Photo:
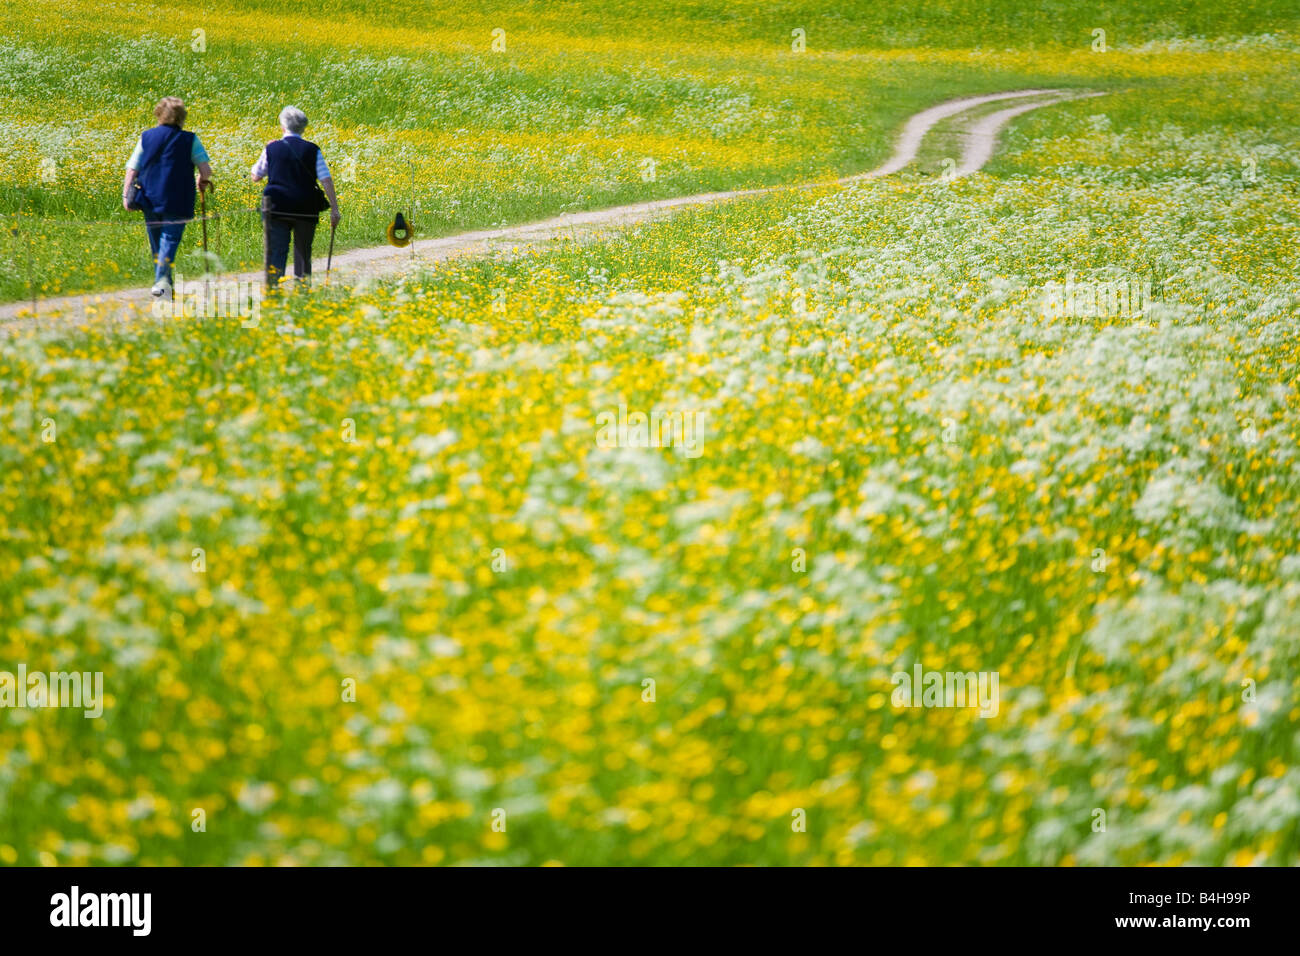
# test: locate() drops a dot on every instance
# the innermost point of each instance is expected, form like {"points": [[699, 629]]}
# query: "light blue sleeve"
{"points": [[197, 153], [134, 161], [322, 170]]}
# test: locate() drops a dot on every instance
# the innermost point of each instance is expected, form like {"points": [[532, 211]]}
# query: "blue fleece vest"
{"points": [[291, 176], [166, 173]]}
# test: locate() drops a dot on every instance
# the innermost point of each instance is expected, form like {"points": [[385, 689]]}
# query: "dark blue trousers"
{"points": [[278, 231]]}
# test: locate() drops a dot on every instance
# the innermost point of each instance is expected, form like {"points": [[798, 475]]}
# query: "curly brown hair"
{"points": [[170, 111]]}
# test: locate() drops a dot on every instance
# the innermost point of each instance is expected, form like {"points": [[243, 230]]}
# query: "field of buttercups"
{"points": [[466, 115], [367, 586]]}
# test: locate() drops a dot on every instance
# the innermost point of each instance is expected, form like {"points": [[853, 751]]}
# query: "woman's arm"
{"points": [[205, 176], [127, 188], [327, 184], [259, 168]]}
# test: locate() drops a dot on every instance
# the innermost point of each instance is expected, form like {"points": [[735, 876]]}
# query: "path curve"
{"points": [[978, 141]]}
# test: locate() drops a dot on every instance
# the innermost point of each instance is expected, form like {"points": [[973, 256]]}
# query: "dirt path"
{"points": [[977, 137]]}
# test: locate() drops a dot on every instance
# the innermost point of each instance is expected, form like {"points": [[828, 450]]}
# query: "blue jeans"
{"points": [[164, 239]]}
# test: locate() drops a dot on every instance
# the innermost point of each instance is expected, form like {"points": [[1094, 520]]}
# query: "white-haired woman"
{"points": [[291, 205]]}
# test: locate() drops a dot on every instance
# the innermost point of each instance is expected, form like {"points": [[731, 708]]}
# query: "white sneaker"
{"points": [[161, 288]]}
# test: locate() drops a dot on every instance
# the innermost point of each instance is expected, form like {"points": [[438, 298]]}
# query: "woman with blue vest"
{"points": [[160, 181], [291, 203]]}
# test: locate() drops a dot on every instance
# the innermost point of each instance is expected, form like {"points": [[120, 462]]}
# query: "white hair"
{"points": [[293, 119]]}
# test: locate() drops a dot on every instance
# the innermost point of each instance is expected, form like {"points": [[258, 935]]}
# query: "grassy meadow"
{"points": [[366, 588], [418, 113]]}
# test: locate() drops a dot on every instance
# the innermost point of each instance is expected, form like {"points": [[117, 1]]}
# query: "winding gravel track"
{"points": [[977, 137]]}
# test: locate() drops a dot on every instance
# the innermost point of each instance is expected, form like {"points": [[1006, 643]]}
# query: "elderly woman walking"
{"points": [[291, 200], [160, 182]]}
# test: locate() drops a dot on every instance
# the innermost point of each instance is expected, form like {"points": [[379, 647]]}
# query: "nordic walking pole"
{"points": [[31, 279], [203, 210], [330, 261]]}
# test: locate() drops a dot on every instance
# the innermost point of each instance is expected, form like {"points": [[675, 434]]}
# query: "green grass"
{"points": [[459, 137], [885, 394]]}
